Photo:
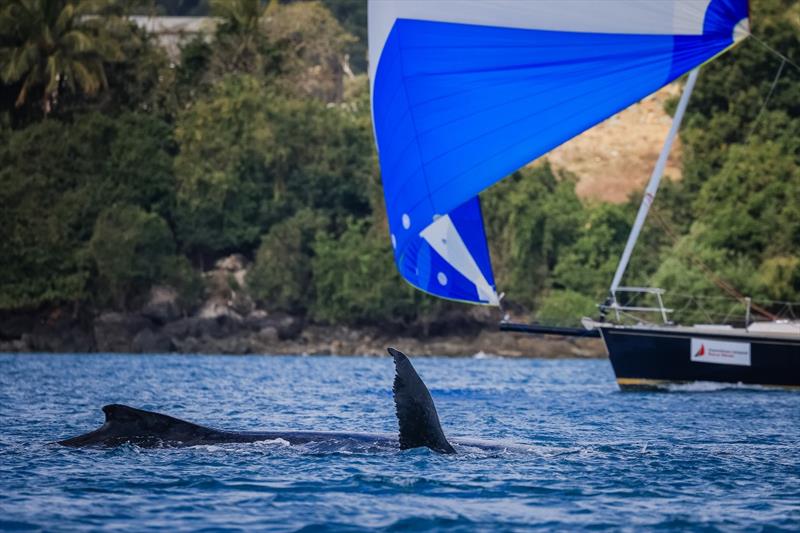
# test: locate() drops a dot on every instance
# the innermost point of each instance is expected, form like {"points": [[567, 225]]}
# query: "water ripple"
{"points": [[574, 452]]}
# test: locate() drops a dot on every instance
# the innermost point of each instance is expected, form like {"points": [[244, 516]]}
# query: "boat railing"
{"points": [[613, 303]]}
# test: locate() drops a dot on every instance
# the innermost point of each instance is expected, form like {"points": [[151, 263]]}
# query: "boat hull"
{"points": [[654, 358]]}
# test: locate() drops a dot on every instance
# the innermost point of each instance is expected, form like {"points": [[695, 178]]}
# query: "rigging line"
{"points": [[766, 100], [722, 284], [782, 56], [715, 194], [763, 300], [718, 281]]}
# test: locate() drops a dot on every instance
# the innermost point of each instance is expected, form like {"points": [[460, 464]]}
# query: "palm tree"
{"points": [[238, 16], [48, 45], [239, 35]]}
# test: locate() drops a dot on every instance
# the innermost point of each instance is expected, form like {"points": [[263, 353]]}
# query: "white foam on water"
{"points": [[209, 448], [274, 442], [712, 386]]}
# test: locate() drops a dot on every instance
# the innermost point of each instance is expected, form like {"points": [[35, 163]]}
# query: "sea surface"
{"points": [[701, 458]]}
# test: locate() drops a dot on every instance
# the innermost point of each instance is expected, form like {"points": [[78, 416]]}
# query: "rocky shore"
{"points": [[229, 323], [260, 333]]}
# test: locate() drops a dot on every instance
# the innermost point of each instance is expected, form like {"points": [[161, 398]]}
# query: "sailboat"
{"points": [[465, 92]]}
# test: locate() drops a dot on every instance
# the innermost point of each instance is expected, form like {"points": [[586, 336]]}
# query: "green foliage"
{"points": [[55, 178], [589, 264], [190, 75], [691, 273], [250, 157], [177, 272], [750, 206], [565, 308], [241, 45], [281, 278], [259, 142], [49, 45], [531, 217], [729, 96], [737, 206], [352, 14], [238, 16], [311, 44], [131, 249], [142, 81], [780, 277], [355, 281], [221, 169]]}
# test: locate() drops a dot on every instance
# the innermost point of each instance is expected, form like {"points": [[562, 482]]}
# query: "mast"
{"points": [[652, 186]]}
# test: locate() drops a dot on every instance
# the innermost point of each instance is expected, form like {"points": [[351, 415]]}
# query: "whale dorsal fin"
{"points": [[125, 416], [419, 423], [128, 424]]}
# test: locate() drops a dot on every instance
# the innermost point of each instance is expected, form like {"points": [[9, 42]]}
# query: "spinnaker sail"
{"points": [[464, 92]]}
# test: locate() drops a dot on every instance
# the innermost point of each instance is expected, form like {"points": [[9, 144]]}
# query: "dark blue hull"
{"points": [[652, 358]]}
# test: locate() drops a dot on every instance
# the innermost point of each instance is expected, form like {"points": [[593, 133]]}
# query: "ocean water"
{"points": [[701, 458]]}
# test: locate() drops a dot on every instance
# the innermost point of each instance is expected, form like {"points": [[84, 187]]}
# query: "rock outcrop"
{"points": [[162, 305], [228, 323], [114, 332]]}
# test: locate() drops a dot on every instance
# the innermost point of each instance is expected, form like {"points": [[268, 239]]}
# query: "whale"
{"points": [[418, 425]]}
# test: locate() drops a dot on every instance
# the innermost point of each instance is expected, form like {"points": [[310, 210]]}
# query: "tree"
{"points": [[250, 157], [531, 216], [311, 44], [736, 208], [356, 283], [55, 178], [588, 264], [564, 307], [238, 16], [49, 45], [352, 15], [729, 97], [143, 80], [281, 276], [131, 249], [225, 141], [691, 271], [241, 45]]}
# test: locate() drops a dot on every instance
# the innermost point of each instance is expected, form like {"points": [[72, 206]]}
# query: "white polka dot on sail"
{"points": [[442, 278]]}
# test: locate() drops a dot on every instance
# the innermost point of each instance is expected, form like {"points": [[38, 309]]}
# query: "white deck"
{"points": [[780, 329]]}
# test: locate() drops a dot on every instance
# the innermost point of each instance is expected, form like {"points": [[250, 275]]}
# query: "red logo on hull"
{"points": [[701, 351]]}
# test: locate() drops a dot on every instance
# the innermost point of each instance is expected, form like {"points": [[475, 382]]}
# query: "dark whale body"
{"points": [[416, 414]]}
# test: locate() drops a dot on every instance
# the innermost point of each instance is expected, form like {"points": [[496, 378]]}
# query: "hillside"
{"points": [[616, 157]]}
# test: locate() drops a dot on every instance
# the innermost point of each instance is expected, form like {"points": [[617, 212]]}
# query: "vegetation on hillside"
{"points": [[121, 169]]}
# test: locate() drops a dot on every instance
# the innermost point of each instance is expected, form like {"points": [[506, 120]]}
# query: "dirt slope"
{"points": [[618, 155]]}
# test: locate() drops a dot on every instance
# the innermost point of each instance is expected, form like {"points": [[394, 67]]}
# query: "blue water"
{"points": [[597, 458]]}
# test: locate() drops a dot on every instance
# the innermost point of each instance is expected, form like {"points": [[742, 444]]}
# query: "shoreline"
{"points": [[135, 333]]}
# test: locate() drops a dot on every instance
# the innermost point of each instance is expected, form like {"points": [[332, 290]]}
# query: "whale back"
{"points": [[416, 413], [144, 428]]}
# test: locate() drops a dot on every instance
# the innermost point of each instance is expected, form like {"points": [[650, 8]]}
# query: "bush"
{"points": [[250, 157], [355, 281], [177, 272], [531, 217], [565, 308], [55, 178], [281, 278], [132, 249], [588, 265]]}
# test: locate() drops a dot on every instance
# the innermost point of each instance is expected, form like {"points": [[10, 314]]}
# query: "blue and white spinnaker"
{"points": [[464, 92]]}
